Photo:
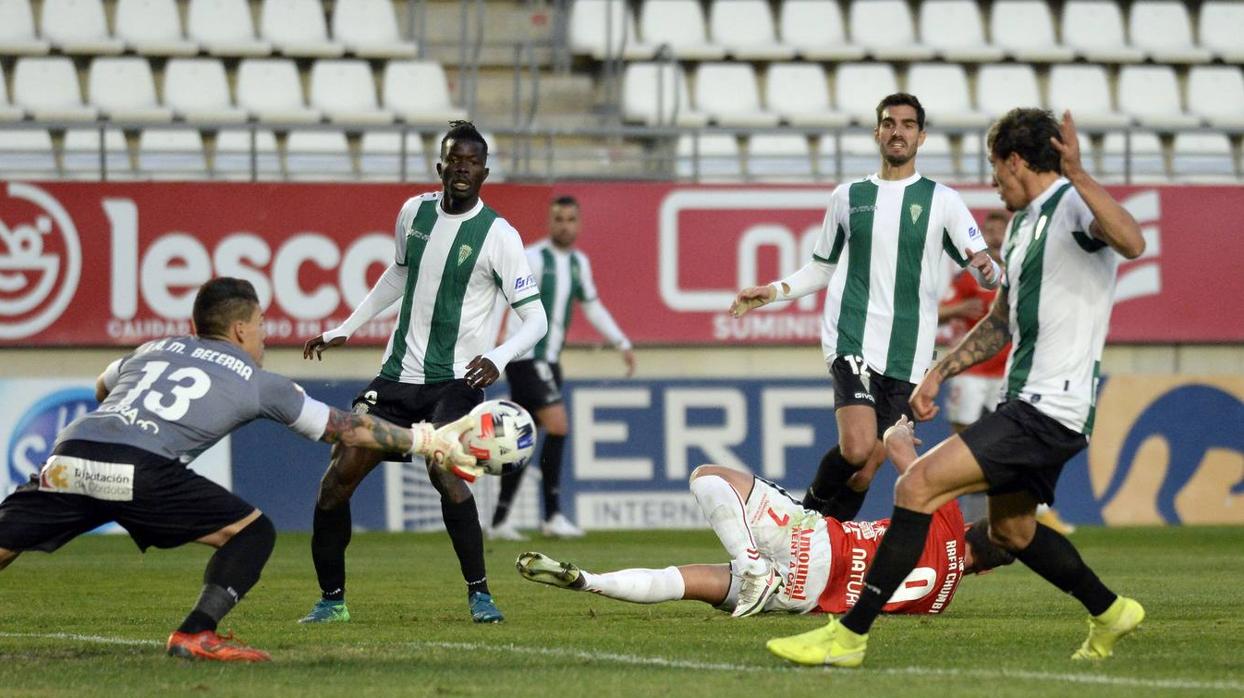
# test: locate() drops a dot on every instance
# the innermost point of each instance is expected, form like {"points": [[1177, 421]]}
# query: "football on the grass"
{"points": [[503, 439]]}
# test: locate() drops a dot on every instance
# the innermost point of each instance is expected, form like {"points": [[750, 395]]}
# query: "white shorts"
{"points": [[971, 396], [796, 540]]}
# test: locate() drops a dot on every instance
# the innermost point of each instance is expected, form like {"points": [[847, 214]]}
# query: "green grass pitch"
{"points": [[91, 620]]}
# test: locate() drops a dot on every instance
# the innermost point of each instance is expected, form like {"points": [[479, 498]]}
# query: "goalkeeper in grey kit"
{"points": [[163, 405], [453, 257]]}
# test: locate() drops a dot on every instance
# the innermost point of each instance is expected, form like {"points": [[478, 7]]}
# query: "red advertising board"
{"points": [[116, 264]]}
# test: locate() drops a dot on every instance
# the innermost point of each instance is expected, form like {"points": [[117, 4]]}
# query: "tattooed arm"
{"points": [[363, 431], [986, 339], [982, 342]]}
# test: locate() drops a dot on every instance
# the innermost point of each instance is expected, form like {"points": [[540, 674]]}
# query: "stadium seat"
{"points": [[1216, 94], [297, 29], [368, 28], [1001, 87], [943, 91], [380, 157], [816, 31], [718, 157], [728, 95], [745, 28], [78, 27], [27, 154], [124, 90], [656, 93], [972, 163], [953, 28], [860, 86], [270, 89], [346, 92], [1162, 29], [1150, 93], [778, 157], [317, 156], [418, 93], [171, 154], [935, 158], [1203, 157], [224, 28], [48, 89], [680, 25], [1084, 90], [1025, 30], [1220, 28], [153, 28], [196, 90], [606, 28], [8, 112], [233, 155], [82, 155], [17, 30], [1148, 164], [1094, 29], [860, 155], [885, 29], [799, 94]]}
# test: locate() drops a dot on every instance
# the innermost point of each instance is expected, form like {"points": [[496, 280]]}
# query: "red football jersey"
{"points": [[930, 586], [963, 288]]}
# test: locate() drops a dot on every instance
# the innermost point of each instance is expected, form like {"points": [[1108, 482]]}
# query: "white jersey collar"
{"points": [[1044, 196], [875, 178], [474, 210]]}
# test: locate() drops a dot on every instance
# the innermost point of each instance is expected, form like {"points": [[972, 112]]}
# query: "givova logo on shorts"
{"points": [[40, 260]]}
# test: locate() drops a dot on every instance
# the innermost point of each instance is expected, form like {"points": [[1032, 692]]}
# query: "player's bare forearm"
{"points": [[363, 431], [1112, 224], [982, 342]]}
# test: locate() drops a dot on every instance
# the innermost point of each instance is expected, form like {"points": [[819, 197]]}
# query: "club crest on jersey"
{"points": [[464, 253], [916, 210]]}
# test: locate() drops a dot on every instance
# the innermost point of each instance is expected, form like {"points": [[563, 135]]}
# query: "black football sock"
{"points": [[462, 522], [1053, 557], [551, 473], [505, 499], [330, 536], [896, 557], [845, 505], [831, 476], [231, 572]]}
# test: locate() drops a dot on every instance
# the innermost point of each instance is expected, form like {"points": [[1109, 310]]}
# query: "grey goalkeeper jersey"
{"points": [[177, 396]]}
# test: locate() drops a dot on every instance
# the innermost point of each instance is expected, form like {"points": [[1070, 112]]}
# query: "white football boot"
{"points": [[756, 588], [505, 531], [558, 526]]}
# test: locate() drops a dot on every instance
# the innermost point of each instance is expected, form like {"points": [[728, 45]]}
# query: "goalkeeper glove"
{"points": [[443, 447]]}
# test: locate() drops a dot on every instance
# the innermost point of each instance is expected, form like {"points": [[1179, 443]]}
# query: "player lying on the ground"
{"points": [[787, 558], [162, 406]]}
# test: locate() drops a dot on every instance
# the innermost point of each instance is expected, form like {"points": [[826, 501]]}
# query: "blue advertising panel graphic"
{"points": [[1166, 449]]}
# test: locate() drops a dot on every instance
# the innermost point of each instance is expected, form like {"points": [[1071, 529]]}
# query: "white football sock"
{"points": [[637, 585], [726, 513]]}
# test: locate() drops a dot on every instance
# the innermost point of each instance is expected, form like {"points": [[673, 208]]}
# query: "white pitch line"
{"points": [[97, 639], [639, 660]]}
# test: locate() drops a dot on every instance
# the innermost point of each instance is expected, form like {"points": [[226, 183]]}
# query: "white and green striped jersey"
{"points": [[456, 267], [886, 239], [564, 276], [1059, 282]]}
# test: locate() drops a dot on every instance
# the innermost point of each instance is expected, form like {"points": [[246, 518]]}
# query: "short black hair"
{"points": [[565, 200], [986, 555], [464, 131], [901, 98], [221, 302], [1027, 131]]}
